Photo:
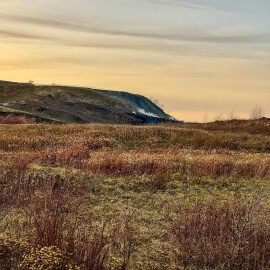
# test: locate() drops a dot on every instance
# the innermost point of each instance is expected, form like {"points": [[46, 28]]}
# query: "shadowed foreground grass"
{"points": [[120, 197]]}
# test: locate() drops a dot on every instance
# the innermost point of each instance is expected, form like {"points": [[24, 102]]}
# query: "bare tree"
{"points": [[218, 117], [205, 118], [157, 102], [232, 115], [257, 113]]}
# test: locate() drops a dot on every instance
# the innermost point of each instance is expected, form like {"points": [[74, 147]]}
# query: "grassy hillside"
{"points": [[123, 197], [78, 105], [259, 126]]}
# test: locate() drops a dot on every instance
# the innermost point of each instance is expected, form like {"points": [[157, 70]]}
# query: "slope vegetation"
{"points": [[78, 105]]}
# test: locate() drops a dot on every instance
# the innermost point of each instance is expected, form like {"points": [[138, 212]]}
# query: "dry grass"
{"points": [[257, 126], [122, 197], [40, 137], [229, 236]]}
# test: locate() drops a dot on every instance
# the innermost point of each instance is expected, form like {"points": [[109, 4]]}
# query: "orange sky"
{"points": [[218, 64]]}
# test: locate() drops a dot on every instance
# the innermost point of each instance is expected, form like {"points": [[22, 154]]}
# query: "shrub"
{"points": [[11, 252], [46, 258], [233, 235], [13, 120], [18, 254]]}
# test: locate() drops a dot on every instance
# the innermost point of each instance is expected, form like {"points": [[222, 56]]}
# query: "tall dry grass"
{"points": [[72, 187], [232, 235]]}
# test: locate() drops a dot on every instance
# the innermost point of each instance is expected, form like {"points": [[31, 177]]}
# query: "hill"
{"points": [[68, 104], [259, 126]]}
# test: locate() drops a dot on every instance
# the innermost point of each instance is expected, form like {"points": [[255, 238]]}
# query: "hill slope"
{"points": [[78, 105]]}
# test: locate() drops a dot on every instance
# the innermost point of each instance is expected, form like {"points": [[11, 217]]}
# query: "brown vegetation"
{"points": [[232, 235], [121, 197], [14, 120]]}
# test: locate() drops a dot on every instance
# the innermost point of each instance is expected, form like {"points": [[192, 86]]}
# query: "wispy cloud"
{"points": [[219, 5], [235, 36], [186, 4], [17, 34]]}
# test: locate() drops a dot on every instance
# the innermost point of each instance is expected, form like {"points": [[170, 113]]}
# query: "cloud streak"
{"points": [[16, 34], [185, 4], [177, 35], [228, 6]]}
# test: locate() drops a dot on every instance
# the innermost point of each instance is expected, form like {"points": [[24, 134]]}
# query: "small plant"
{"points": [[46, 258], [11, 252], [12, 120], [257, 113]]}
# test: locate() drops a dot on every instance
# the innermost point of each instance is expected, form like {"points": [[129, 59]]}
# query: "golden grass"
{"points": [[124, 197]]}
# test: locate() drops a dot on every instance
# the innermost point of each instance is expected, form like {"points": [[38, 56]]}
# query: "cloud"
{"points": [[230, 6], [186, 4], [16, 34], [233, 35]]}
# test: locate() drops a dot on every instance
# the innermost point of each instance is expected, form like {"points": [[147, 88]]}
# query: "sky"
{"points": [[199, 58]]}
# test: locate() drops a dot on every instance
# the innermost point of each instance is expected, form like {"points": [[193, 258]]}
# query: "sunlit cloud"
{"points": [[227, 35], [220, 5], [185, 4]]}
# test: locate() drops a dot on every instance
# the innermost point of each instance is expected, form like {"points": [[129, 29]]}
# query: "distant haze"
{"points": [[200, 58]]}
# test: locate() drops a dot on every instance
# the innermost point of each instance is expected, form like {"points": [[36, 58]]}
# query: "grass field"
{"points": [[108, 197]]}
